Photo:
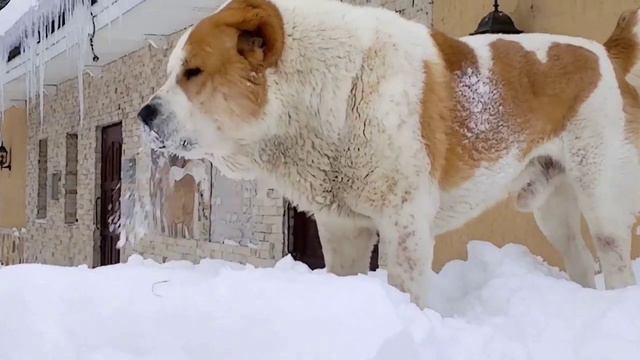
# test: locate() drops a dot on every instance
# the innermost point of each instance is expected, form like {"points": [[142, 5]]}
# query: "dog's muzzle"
{"points": [[148, 114]]}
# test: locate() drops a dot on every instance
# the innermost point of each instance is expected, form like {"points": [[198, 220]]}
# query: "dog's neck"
{"points": [[304, 150], [307, 94], [317, 124]]}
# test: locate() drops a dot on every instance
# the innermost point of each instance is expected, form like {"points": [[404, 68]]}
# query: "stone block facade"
{"points": [[11, 247], [247, 220]]}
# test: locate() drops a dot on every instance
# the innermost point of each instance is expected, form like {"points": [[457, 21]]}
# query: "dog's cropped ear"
{"points": [[260, 31]]}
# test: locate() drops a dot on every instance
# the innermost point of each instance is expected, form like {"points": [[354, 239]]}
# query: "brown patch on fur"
{"points": [[537, 102], [623, 49], [435, 119], [438, 103], [232, 50], [542, 98], [456, 54], [621, 45]]}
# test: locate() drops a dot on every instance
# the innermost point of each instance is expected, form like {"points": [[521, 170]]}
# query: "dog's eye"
{"points": [[192, 72]]}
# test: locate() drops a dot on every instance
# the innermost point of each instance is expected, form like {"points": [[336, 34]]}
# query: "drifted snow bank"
{"points": [[501, 304]]}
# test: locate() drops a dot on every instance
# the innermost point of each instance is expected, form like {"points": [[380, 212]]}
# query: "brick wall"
{"points": [[41, 204], [11, 247], [71, 180], [247, 218], [232, 211]]}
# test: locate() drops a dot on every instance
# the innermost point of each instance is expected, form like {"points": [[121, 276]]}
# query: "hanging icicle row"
{"points": [[31, 34], [41, 72]]}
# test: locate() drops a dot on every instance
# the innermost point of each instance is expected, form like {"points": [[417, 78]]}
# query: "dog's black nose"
{"points": [[148, 114]]}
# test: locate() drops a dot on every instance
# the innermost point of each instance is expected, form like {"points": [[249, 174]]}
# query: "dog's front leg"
{"points": [[346, 243], [407, 235]]}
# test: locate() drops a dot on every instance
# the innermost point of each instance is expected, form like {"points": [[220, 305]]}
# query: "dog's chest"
{"points": [[340, 176]]}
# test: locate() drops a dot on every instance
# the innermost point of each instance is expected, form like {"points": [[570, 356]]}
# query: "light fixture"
{"points": [[4, 3], [496, 22], [5, 157]]}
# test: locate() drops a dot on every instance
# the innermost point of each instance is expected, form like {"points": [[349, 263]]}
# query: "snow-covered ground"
{"points": [[500, 304]]}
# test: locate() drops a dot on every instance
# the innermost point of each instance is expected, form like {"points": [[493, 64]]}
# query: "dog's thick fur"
{"points": [[375, 123], [547, 188]]}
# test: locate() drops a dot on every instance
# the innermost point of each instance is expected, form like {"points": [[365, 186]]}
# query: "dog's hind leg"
{"points": [[536, 182], [604, 173], [610, 223], [559, 220], [543, 188]]}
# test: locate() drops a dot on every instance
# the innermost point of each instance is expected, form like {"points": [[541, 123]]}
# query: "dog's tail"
{"points": [[623, 47]]}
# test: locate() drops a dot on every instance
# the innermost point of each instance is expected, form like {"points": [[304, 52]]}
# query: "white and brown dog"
{"points": [[375, 123]]}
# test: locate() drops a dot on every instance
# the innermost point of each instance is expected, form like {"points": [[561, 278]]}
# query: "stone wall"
{"points": [[262, 246], [11, 247]]}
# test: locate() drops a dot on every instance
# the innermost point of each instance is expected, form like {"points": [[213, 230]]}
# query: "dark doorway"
{"points": [[304, 242], [111, 164]]}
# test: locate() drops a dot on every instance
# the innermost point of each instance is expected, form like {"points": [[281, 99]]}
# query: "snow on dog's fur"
{"points": [[375, 123]]}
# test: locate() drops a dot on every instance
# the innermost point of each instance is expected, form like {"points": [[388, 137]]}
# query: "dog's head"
{"points": [[216, 89]]}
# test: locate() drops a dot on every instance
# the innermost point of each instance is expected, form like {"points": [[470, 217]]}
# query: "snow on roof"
{"points": [[12, 13]]}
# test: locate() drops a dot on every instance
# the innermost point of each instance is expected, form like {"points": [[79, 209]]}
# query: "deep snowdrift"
{"points": [[501, 304]]}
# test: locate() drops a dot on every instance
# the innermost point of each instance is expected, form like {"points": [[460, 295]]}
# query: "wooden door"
{"points": [[110, 194], [305, 246]]}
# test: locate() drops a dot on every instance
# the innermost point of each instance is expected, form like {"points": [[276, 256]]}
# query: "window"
{"points": [[71, 180], [41, 212]]}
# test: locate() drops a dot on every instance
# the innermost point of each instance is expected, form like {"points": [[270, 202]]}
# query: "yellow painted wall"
{"points": [[594, 19], [13, 183]]}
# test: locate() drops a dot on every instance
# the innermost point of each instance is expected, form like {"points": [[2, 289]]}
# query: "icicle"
{"points": [[29, 76], [109, 34], [81, 91], [33, 32], [41, 32], [81, 17], [41, 70], [26, 80]]}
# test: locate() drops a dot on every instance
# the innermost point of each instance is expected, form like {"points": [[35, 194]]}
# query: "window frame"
{"points": [[43, 164]]}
